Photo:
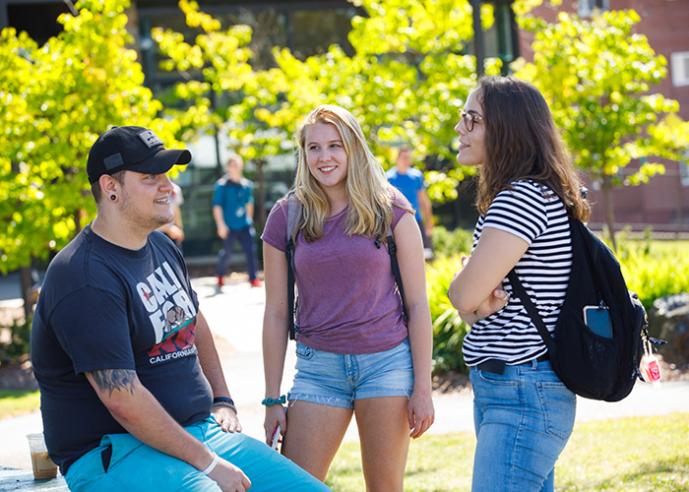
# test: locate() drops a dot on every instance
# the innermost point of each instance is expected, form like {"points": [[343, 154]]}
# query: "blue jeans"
{"points": [[247, 240], [336, 380], [523, 419], [134, 466]]}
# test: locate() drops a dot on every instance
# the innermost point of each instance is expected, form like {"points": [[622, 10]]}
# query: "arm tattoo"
{"points": [[115, 379]]}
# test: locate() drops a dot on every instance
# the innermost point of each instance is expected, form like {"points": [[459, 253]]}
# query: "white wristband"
{"points": [[211, 467]]}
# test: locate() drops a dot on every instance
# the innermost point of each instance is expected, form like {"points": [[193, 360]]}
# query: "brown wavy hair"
{"points": [[522, 142]]}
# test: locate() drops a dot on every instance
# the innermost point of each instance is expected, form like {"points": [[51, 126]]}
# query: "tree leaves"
{"points": [[405, 79], [595, 75], [56, 99], [405, 82]]}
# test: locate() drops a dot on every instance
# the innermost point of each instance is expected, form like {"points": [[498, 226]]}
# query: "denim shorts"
{"points": [[336, 380]]}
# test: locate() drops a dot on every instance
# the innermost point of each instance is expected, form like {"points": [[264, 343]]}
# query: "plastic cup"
{"points": [[43, 466]]}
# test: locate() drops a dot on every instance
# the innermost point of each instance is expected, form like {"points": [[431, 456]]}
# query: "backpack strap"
{"points": [[519, 289], [293, 216], [392, 252]]}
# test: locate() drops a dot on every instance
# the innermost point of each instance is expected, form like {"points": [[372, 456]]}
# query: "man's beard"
{"points": [[150, 222]]}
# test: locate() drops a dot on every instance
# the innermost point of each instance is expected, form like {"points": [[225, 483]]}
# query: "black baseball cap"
{"points": [[131, 148]]}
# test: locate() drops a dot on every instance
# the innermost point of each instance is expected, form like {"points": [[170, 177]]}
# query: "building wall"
{"points": [[664, 201]]}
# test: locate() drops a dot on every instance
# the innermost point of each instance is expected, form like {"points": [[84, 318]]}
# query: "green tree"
{"points": [[405, 81], [218, 89], [213, 69], [56, 99], [597, 75]]}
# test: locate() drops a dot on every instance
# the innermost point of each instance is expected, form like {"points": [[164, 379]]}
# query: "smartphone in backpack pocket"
{"points": [[597, 318]]}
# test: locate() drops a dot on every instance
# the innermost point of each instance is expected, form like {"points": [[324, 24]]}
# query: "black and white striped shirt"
{"points": [[533, 212]]}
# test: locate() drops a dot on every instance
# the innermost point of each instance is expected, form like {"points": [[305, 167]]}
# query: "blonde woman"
{"points": [[355, 352]]}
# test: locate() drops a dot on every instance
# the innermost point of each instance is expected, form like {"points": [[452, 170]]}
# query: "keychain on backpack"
{"points": [[649, 367]]}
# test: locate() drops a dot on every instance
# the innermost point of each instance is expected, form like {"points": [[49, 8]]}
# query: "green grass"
{"points": [[18, 402], [632, 454]]}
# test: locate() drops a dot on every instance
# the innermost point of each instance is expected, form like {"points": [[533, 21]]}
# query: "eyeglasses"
{"points": [[470, 119]]}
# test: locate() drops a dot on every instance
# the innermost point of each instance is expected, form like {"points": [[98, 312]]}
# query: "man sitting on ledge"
{"points": [[132, 392]]}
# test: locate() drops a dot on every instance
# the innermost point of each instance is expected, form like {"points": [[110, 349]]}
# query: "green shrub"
{"points": [[654, 269], [449, 243], [448, 328]]}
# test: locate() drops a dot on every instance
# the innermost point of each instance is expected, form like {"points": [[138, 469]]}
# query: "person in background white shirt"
{"points": [[175, 229]]}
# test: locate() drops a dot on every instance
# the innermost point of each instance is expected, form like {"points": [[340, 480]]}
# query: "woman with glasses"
{"points": [[523, 413]]}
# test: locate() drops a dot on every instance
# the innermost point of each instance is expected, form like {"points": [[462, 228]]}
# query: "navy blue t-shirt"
{"points": [[107, 307]]}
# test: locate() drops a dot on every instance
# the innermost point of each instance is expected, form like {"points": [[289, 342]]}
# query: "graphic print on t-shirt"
{"points": [[171, 312], [181, 344]]}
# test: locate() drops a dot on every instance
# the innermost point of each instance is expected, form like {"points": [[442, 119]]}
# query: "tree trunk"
{"points": [[260, 215], [77, 221], [608, 209], [26, 283], [216, 136]]}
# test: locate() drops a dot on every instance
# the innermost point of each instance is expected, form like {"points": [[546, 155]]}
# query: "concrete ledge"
{"points": [[11, 479]]}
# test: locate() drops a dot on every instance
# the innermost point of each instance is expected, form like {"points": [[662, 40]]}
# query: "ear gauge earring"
{"points": [[113, 197]]}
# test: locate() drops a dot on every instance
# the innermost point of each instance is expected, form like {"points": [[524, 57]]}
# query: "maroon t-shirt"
{"points": [[348, 300]]}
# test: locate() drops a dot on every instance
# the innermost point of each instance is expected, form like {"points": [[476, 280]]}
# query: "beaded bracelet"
{"points": [[269, 402]]}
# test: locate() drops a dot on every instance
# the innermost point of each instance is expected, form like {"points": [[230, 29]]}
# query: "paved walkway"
{"points": [[236, 316]]}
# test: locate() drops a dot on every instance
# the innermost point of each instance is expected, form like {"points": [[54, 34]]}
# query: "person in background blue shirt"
{"points": [[411, 183], [233, 210]]}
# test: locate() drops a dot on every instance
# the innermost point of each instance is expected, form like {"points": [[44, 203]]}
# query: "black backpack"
{"points": [[590, 365], [293, 217]]}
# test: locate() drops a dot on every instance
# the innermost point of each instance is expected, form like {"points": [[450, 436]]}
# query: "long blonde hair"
{"points": [[370, 195]]}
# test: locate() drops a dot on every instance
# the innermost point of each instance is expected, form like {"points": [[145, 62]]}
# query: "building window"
{"points": [[587, 7], [38, 19], [680, 68]]}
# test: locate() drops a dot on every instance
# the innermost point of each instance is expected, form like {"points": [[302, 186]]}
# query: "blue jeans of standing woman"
{"points": [[523, 419], [247, 240]]}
